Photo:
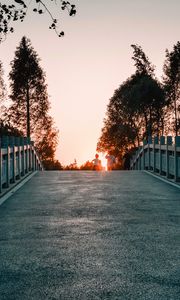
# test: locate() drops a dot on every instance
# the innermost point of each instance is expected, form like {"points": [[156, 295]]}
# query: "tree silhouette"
{"points": [[18, 10], [28, 88], [142, 63], [135, 111], [2, 92], [29, 110], [171, 81], [87, 166]]}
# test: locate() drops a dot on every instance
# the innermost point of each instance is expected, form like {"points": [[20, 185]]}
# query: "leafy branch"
{"points": [[18, 10]]}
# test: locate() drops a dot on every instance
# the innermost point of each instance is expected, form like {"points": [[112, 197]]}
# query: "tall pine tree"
{"points": [[29, 110]]}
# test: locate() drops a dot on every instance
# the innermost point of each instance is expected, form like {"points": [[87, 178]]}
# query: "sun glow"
{"points": [[103, 161]]}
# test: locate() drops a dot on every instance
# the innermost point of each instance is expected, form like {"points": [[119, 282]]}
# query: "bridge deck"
{"points": [[88, 235]]}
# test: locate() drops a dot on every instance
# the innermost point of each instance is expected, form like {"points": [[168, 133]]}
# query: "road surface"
{"points": [[91, 236]]}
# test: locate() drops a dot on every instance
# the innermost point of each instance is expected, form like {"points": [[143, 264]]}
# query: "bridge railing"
{"points": [[18, 158], [159, 155]]}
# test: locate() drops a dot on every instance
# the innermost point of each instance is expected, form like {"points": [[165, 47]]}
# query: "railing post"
{"points": [[14, 164], [26, 155], [131, 162], [162, 142], [12, 145], [136, 161], [36, 163], [8, 167], [32, 156], [5, 144], [168, 143], [22, 156], [17, 143], [176, 144], [149, 152], [143, 154], [139, 163], [155, 142]]}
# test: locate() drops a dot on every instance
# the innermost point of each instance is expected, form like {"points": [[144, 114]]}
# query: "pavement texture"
{"points": [[91, 236]]}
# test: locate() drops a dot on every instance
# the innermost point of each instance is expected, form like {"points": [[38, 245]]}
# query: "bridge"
{"points": [[18, 160], [159, 155], [91, 236]]}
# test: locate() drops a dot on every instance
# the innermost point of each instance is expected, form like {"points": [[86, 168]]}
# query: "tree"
{"points": [[120, 129], [28, 89], [135, 111], [72, 166], [2, 92], [87, 166], [8, 130], [18, 10], [46, 137], [5, 127], [142, 63], [29, 110], [148, 93], [53, 165], [171, 80]]}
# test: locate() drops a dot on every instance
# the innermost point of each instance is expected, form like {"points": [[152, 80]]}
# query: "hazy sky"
{"points": [[93, 59]]}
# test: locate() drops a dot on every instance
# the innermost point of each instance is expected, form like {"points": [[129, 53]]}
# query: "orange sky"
{"points": [[93, 59]]}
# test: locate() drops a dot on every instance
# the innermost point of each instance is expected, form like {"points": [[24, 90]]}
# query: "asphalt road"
{"points": [[91, 236]]}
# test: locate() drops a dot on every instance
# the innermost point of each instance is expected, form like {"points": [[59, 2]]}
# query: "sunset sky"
{"points": [[92, 60]]}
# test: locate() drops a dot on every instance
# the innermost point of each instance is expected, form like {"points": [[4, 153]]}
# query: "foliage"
{"points": [[72, 166], [29, 110], [142, 63], [46, 138], [147, 96], [2, 93], [5, 127], [171, 80], [8, 130], [135, 111], [87, 166], [28, 89], [119, 129], [18, 10], [52, 165]]}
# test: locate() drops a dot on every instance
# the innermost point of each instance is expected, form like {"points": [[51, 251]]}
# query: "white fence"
{"points": [[18, 157], [160, 155]]}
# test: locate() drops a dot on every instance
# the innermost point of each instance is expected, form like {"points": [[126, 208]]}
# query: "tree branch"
{"points": [[19, 10]]}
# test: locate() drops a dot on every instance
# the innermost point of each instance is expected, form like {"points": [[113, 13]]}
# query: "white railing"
{"points": [[18, 158], [159, 155]]}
